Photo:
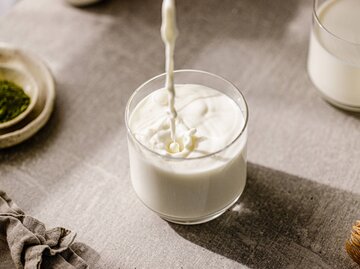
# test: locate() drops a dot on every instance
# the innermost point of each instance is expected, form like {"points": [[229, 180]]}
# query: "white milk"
{"points": [[169, 34], [187, 159], [188, 188], [334, 64]]}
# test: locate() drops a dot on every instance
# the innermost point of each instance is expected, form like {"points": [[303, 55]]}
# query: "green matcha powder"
{"points": [[13, 100]]}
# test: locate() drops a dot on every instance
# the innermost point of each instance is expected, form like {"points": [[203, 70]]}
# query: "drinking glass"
{"points": [[195, 189], [333, 62]]}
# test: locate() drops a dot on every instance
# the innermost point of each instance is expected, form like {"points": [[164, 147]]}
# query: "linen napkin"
{"points": [[31, 246]]}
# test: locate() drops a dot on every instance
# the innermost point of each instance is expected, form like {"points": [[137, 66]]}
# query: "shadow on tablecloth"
{"points": [[351, 114], [281, 221], [86, 253], [255, 18]]}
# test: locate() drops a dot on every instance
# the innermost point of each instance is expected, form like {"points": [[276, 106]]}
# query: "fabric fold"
{"points": [[31, 245]]}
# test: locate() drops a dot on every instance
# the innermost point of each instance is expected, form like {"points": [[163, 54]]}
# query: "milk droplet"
{"points": [[174, 147]]}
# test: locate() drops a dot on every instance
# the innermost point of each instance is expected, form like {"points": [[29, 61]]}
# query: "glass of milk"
{"points": [[334, 52], [198, 187]]}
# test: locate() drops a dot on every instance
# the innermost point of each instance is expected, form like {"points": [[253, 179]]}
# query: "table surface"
{"points": [[303, 188]]}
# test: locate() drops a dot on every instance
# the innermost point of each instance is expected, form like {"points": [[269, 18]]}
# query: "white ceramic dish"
{"points": [[27, 84], [25, 62]]}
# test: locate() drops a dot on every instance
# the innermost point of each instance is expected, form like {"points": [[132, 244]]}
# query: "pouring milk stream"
{"points": [[169, 33], [202, 121]]}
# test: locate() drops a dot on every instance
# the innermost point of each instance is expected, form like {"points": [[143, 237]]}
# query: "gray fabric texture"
{"points": [[31, 246], [303, 189]]}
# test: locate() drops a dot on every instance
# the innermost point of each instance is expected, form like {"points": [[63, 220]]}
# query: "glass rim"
{"points": [[129, 131], [322, 26]]}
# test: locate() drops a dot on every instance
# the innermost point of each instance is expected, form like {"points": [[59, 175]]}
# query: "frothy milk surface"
{"points": [[207, 121], [334, 64]]}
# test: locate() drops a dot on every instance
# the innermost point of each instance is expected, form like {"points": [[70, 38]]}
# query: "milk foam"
{"points": [[207, 121]]}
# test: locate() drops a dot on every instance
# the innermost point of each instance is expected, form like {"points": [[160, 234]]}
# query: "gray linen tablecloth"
{"points": [[303, 190], [30, 244]]}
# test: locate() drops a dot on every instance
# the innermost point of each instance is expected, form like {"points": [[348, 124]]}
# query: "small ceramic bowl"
{"points": [[27, 84], [32, 71]]}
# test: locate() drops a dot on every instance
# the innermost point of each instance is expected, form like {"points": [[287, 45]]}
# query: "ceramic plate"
{"points": [[18, 59]]}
